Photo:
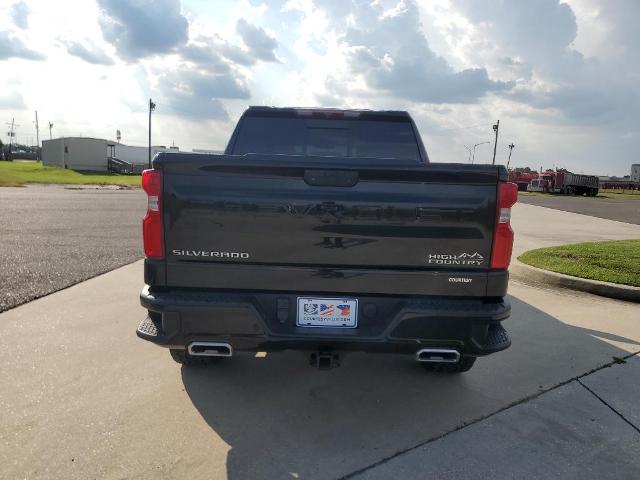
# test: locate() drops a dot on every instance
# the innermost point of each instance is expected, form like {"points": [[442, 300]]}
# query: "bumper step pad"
{"points": [[497, 338], [150, 329]]}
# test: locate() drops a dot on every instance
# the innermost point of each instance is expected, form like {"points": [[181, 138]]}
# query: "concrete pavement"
{"points": [[614, 388], [82, 397], [566, 433]]}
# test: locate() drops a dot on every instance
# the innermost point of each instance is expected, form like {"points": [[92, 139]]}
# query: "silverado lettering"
{"points": [[206, 253]]}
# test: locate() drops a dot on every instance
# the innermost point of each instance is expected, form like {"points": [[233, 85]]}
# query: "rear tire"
{"points": [[464, 365], [183, 358]]}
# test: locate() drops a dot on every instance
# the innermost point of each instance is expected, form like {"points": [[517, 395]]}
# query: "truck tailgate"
{"points": [[252, 212]]}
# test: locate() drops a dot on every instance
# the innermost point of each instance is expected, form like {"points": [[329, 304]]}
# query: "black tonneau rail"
{"points": [[295, 165]]}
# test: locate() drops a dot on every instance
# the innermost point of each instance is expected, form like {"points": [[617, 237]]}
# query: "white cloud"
{"points": [[142, 28], [11, 100], [88, 52], [12, 46], [20, 14], [561, 76], [260, 44]]}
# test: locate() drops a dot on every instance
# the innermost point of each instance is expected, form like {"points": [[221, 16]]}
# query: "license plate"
{"points": [[327, 312]]}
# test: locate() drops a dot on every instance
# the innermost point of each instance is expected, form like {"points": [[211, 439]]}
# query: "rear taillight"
{"points": [[152, 223], [503, 235]]}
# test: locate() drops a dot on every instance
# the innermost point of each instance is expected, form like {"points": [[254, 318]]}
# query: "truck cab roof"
{"points": [[365, 114]]}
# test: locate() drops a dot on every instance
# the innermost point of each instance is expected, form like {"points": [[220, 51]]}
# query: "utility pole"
{"points": [[50, 127], [11, 133], [152, 107], [496, 127], [510, 150], [37, 138]]}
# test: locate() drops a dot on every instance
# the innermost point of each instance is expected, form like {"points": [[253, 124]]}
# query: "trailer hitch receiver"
{"points": [[324, 359]]}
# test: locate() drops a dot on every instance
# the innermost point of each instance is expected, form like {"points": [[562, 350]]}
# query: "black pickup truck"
{"points": [[324, 231]]}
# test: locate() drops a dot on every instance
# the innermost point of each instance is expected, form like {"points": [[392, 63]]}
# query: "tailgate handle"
{"points": [[331, 178], [429, 214]]}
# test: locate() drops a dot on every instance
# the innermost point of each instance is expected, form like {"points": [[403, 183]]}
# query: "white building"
{"points": [[635, 172], [83, 153], [76, 153]]}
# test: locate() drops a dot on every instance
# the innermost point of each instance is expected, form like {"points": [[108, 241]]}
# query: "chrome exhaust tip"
{"points": [[210, 349], [438, 355]]}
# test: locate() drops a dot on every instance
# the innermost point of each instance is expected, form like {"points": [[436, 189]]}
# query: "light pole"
{"points": [[473, 159], [50, 127], [496, 127], [152, 107], [510, 150]]}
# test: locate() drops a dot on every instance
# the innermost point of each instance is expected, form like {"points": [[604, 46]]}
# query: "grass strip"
{"points": [[615, 261], [17, 173]]}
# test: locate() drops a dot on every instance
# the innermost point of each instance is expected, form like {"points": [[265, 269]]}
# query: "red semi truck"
{"points": [[560, 181], [522, 179]]}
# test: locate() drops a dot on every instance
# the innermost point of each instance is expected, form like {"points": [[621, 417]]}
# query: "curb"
{"points": [[527, 273]]}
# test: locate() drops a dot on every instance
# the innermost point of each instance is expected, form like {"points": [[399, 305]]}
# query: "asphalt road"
{"points": [[621, 210], [52, 237], [82, 397]]}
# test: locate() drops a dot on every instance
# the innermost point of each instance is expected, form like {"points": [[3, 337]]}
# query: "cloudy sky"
{"points": [[562, 77]]}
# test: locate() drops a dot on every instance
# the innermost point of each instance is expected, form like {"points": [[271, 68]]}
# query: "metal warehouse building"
{"points": [[84, 153], [76, 153]]}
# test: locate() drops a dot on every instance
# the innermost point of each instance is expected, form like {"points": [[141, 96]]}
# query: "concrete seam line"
{"points": [[615, 361], [609, 406]]}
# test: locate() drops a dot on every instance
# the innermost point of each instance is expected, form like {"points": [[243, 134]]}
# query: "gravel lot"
{"points": [[623, 210], [53, 237]]}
